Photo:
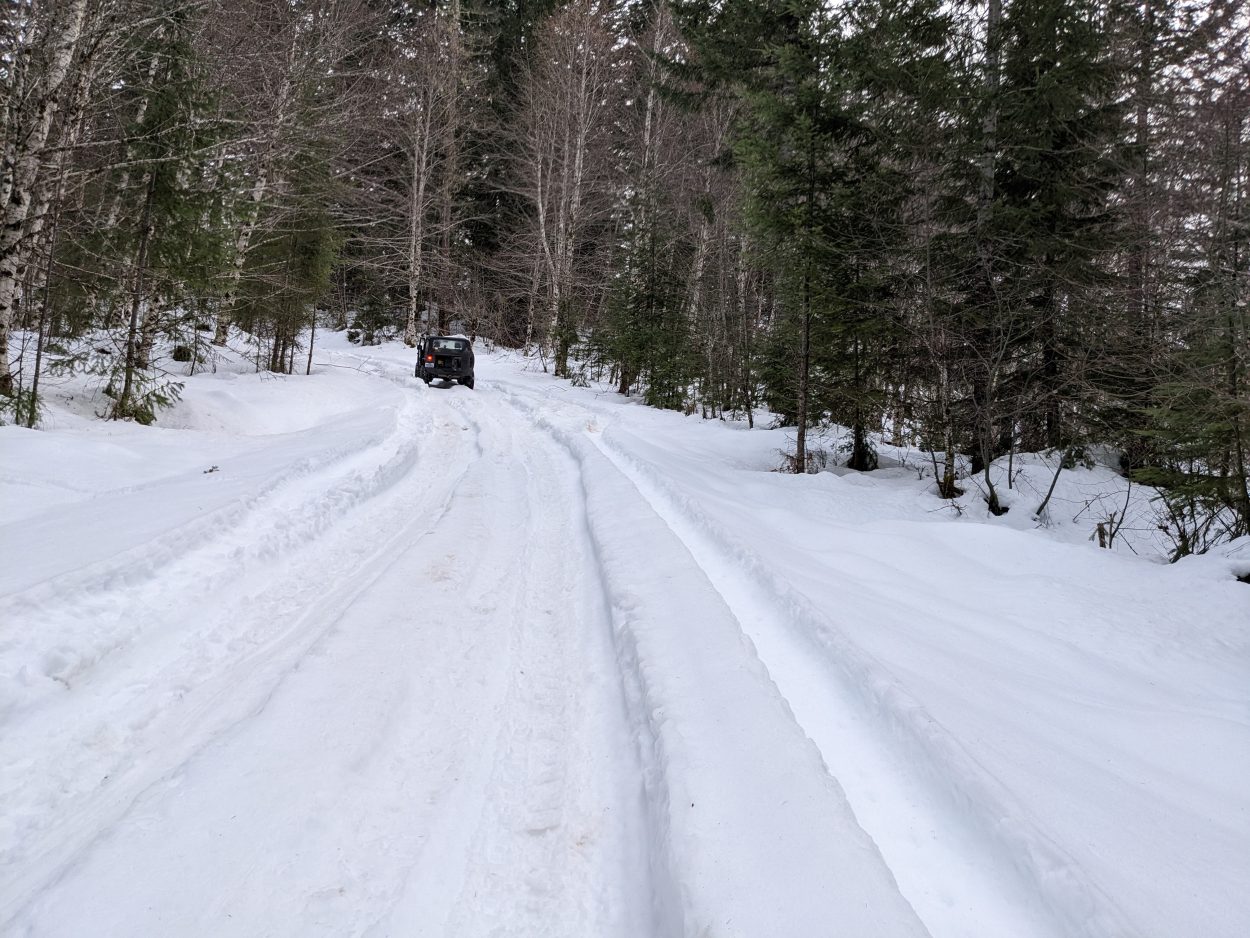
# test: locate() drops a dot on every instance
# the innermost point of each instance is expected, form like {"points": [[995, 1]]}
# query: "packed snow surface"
{"points": [[347, 655]]}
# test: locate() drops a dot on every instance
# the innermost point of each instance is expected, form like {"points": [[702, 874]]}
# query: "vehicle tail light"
{"points": [[429, 358]]}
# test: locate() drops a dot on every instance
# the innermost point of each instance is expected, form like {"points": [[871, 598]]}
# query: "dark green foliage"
{"points": [[1202, 419], [289, 271], [825, 201], [648, 335], [151, 390], [1054, 227], [177, 251], [148, 395], [775, 369], [21, 408], [167, 165]]}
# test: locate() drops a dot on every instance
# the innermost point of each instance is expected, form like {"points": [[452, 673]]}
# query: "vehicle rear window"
{"points": [[450, 345]]}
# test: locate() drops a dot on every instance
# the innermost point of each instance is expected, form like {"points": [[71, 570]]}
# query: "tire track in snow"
{"points": [[160, 703], [146, 561], [386, 833], [768, 844], [114, 601], [665, 917], [557, 804], [1022, 881]]}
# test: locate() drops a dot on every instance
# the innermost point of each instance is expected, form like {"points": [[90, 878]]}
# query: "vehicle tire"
{"points": [[468, 382]]}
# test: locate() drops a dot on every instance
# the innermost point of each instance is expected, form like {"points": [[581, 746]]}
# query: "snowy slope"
{"points": [[349, 655]]}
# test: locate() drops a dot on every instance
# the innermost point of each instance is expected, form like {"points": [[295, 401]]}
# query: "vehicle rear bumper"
{"points": [[445, 372]]}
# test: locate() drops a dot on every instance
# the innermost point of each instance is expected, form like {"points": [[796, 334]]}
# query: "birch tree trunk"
{"points": [[562, 126], [53, 192], [25, 144], [265, 180], [416, 212]]}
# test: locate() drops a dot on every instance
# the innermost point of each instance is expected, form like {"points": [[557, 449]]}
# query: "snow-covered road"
{"points": [[351, 656], [381, 687]]}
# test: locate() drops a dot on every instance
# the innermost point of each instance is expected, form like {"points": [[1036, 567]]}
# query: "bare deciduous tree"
{"points": [[563, 156]]}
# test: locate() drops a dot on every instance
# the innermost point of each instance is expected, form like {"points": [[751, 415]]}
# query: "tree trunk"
{"points": [[450, 168], [19, 169], [805, 343], [312, 340], [123, 407], [265, 179], [416, 219], [984, 390], [123, 183], [242, 243]]}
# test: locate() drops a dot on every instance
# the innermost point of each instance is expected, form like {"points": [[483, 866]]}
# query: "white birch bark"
{"points": [[265, 180], [54, 190], [123, 183], [562, 151], [242, 243], [416, 212], [23, 154]]}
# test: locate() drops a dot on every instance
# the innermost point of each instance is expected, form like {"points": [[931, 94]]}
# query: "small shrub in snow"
{"points": [[22, 408]]}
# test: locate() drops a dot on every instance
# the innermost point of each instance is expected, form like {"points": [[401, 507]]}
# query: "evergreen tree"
{"points": [[826, 196], [1055, 225], [1200, 421], [174, 249]]}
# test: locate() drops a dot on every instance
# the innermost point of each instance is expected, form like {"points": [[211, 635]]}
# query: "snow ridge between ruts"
{"points": [[288, 511], [1076, 905], [740, 783], [193, 700], [145, 561]]}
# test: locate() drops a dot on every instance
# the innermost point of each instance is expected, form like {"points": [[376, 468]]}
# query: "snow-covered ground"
{"points": [[346, 655]]}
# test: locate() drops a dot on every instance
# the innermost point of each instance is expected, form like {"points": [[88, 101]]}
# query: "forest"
{"points": [[979, 227]]}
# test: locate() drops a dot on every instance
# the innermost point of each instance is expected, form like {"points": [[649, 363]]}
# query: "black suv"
{"points": [[447, 357]]}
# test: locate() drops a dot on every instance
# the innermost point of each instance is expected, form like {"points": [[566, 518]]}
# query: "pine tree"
{"points": [[826, 199], [174, 248], [1055, 225], [1200, 421]]}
